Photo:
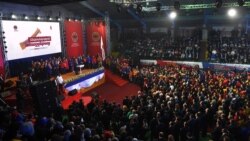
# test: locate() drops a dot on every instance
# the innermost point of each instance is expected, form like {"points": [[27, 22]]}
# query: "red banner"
{"points": [[96, 35], [1, 59], [74, 38]]}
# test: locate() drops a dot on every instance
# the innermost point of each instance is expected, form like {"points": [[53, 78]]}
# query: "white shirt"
{"points": [[59, 79]]}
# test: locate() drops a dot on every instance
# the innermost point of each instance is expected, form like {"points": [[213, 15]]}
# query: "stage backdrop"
{"points": [[96, 38], [31, 38], [74, 38]]}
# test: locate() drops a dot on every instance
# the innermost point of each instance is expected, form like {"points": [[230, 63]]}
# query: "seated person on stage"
{"points": [[60, 83]]}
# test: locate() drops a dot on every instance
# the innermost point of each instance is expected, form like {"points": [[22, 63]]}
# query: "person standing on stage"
{"points": [[60, 83]]}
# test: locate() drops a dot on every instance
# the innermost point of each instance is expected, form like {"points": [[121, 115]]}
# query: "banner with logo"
{"points": [[96, 38], [74, 38]]}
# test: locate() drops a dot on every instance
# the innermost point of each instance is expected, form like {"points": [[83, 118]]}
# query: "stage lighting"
{"points": [[177, 5], [172, 15], [158, 6], [13, 16], [231, 12], [139, 8], [50, 18], [218, 3], [82, 20], [119, 8], [26, 17], [38, 18], [241, 2], [58, 19]]}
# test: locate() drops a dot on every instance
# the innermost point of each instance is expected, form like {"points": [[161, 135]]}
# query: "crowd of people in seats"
{"points": [[223, 48], [161, 47], [176, 103], [234, 49]]}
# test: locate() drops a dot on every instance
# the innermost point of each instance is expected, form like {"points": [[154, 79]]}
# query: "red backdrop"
{"points": [[74, 38], [1, 59], [95, 31]]}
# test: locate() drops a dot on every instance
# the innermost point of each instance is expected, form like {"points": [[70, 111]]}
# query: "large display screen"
{"points": [[29, 38]]}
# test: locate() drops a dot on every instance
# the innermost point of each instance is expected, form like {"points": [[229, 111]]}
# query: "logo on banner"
{"points": [[74, 37], [96, 36]]}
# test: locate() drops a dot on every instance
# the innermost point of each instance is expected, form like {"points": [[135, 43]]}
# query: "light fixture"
{"points": [[82, 20], [38, 18], [50, 18], [218, 3], [26, 17], [172, 15], [13, 16], [76, 20], [59, 19], [231, 12], [241, 2]]}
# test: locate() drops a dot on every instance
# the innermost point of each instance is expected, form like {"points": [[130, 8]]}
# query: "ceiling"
{"points": [[40, 2], [124, 16]]}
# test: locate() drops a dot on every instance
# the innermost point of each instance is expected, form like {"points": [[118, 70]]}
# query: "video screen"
{"points": [[30, 38]]}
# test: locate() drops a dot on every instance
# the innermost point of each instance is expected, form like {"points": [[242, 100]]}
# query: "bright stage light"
{"points": [[26, 17], [231, 12], [13, 16], [172, 15]]}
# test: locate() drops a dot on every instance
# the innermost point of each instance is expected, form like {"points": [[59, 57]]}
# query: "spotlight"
{"points": [[81, 20], [231, 12], [59, 19], [26, 17], [50, 18], [13, 16], [76, 20], [241, 2], [177, 5], [139, 8], [38, 18], [119, 8], [218, 3], [172, 15], [158, 6]]}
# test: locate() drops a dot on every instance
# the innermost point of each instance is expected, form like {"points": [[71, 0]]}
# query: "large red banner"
{"points": [[96, 38], [74, 38]]}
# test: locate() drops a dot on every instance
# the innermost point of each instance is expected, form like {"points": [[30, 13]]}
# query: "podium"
{"points": [[80, 67]]}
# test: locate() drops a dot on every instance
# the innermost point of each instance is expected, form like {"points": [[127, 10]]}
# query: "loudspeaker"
{"points": [[44, 95], [72, 92]]}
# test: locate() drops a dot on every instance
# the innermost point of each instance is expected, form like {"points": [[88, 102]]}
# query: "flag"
{"points": [[102, 49]]}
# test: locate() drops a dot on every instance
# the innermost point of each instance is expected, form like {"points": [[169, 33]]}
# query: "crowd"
{"points": [[176, 103], [220, 48], [229, 49], [44, 69], [161, 47]]}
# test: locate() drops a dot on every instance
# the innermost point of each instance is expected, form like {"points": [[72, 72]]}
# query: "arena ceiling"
{"points": [[124, 13]]}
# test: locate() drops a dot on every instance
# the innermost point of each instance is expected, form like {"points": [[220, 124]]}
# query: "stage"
{"points": [[87, 80]]}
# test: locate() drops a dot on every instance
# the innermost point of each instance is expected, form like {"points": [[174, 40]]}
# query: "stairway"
{"points": [[115, 78]]}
